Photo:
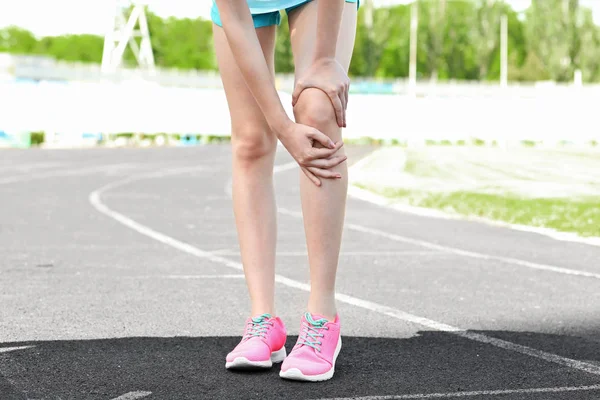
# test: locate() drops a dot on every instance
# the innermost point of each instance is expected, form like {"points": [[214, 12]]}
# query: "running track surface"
{"points": [[120, 279]]}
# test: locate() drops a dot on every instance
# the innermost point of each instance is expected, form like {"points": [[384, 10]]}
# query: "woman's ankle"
{"points": [[258, 310], [324, 307]]}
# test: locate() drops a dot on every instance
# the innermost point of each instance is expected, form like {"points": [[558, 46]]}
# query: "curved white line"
{"points": [[8, 349], [96, 201], [63, 172], [133, 395], [430, 245]]}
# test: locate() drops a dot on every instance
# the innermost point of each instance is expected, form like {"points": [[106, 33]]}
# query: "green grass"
{"points": [[581, 216], [555, 188]]}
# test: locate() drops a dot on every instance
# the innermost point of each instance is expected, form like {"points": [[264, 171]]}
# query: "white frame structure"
{"points": [[122, 31]]}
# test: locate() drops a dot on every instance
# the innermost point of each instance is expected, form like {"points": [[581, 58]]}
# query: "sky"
{"points": [[56, 17]]}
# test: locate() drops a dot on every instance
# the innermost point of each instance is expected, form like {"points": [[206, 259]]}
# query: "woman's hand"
{"points": [[315, 162], [329, 76]]}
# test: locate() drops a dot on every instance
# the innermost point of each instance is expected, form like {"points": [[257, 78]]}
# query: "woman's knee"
{"points": [[252, 143], [314, 109]]}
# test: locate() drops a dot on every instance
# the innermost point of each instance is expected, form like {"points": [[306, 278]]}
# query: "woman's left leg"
{"points": [[319, 343], [323, 207]]}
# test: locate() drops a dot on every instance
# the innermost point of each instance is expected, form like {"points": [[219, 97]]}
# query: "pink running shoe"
{"points": [[313, 357], [262, 345]]}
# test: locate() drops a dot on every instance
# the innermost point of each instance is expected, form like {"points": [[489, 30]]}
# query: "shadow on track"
{"points": [[193, 368]]}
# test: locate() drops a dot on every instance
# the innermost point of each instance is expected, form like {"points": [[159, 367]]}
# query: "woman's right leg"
{"points": [[253, 146]]}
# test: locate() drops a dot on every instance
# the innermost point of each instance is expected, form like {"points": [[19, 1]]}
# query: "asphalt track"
{"points": [[120, 279]]}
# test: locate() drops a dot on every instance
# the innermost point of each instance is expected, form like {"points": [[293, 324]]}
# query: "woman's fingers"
{"points": [[322, 138], [316, 153], [347, 93], [327, 163], [324, 173], [297, 91], [344, 98], [347, 96], [311, 176], [338, 106]]}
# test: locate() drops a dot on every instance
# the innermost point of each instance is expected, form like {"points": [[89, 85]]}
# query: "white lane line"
{"points": [[474, 393], [7, 349], [133, 395], [96, 202], [453, 250], [184, 277], [370, 197], [66, 172], [343, 253], [472, 254], [26, 168], [285, 167], [433, 246], [227, 276]]}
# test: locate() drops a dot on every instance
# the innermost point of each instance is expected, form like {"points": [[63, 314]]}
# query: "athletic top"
{"points": [[267, 6]]}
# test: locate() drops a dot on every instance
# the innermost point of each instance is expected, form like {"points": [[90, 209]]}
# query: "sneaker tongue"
{"points": [[315, 319], [260, 318]]}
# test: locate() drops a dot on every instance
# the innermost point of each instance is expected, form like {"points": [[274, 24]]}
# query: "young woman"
{"points": [[322, 35]]}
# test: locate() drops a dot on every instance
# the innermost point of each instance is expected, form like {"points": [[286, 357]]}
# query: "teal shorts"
{"points": [[266, 19]]}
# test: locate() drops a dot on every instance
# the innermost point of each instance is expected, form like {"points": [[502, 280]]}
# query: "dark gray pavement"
{"points": [[93, 309]]}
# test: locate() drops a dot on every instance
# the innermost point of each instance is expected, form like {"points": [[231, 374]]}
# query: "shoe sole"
{"points": [[296, 375], [243, 363]]}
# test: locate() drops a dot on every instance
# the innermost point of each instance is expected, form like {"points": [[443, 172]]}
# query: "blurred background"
{"points": [[486, 108], [470, 260]]}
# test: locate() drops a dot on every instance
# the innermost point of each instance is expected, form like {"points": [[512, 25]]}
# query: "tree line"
{"points": [[457, 40]]}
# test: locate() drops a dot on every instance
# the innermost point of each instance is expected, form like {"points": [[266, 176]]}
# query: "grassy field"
{"points": [[549, 188]]}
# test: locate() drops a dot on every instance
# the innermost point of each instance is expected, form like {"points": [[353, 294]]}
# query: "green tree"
{"points": [[284, 58], [181, 43], [553, 34], [85, 48], [487, 33], [459, 53], [390, 43], [457, 39], [590, 47], [517, 47], [17, 40], [433, 17]]}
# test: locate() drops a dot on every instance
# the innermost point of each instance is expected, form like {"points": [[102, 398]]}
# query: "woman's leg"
{"points": [[323, 207], [254, 147]]}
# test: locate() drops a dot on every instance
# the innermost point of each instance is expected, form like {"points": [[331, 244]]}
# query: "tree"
{"points": [[17, 40], [85, 48], [284, 58], [517, 47], [457, 40], [487, 33], [433, 19], [181, 43], [590, 47], [553, 34], [460, 53], [390, 42]]}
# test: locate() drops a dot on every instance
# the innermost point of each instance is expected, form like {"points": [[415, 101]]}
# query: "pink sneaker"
{"points": [[313, 357], [262, 345]]}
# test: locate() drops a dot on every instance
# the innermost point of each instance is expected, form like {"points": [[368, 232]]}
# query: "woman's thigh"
{"points": [[303, 32], [246, 115]]}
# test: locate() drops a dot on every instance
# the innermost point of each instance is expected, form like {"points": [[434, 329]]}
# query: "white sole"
{"points": [[297, 375], [243, 363]]}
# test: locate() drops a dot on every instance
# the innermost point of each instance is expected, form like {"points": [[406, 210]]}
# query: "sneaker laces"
{"points": [[258, 326], [311, 332]]}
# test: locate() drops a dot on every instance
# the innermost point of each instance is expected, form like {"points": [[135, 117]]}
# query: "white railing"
{"points": [[77, 108], [78, 100]]}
